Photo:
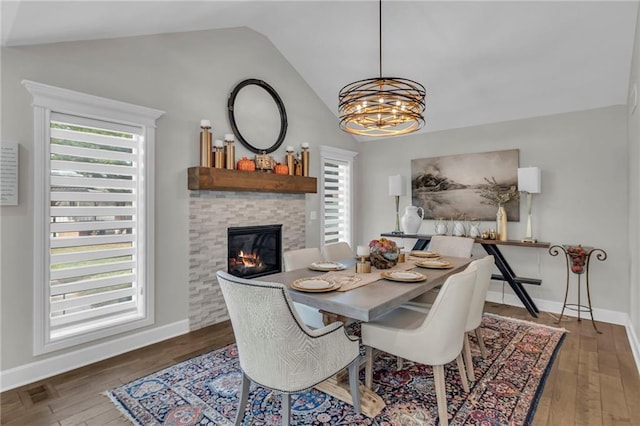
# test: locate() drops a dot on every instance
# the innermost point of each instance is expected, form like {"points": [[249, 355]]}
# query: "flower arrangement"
{"points": [[495, 194], [383, 253], [578, 256]]}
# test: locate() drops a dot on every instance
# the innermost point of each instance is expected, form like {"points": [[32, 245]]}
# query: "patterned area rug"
{"points": [[204, 390]]}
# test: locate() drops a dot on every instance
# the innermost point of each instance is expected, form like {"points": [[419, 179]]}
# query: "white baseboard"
{"points": [[634, 343], [604, 315], [39, 370]]}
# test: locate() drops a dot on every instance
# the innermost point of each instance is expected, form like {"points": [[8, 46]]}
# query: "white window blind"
{"points": [[93, 227], [93, 218], [336, 200], [337, 194]]}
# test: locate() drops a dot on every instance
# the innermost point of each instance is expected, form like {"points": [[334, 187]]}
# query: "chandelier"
{"points": [[383, 106]]}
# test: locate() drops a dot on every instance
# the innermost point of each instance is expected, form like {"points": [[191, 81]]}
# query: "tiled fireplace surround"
{"points": [[210, 214]]}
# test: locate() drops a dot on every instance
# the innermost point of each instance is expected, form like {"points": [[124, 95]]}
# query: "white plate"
{"points": [[424, 253], [406, 276], [435, 264], [327, 266], [314, 285]]}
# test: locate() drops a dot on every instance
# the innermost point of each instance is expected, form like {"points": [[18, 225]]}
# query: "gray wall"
{"points": [[188, 75], [634, 194], [584, 199], [583, 156]]}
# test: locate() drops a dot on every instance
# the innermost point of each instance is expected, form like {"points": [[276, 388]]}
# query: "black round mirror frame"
{"points": [[277, 100]]}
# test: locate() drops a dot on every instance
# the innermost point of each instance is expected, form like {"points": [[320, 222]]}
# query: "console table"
{"points": [[507, 274]]}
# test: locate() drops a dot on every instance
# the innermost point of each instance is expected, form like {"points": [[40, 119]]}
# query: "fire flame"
{"points": [[250, 260]]}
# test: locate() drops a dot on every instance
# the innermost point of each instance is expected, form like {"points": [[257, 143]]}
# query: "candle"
{"points": [[218, 143], [362, 251], [229, 137], [205, 123], [305, 159], [289, 148]]}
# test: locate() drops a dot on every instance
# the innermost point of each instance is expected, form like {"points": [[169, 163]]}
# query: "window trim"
{"points": [[48, 99], [338, 154]]}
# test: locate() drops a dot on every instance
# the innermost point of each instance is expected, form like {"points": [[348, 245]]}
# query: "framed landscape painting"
{"points": [[447, 187]]}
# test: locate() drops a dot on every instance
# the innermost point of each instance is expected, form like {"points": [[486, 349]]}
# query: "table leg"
{"points": [[337, 386], [510, 276]]}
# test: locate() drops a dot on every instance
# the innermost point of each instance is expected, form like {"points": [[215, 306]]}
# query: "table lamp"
{"points": [[396, 189], [529, 183]]}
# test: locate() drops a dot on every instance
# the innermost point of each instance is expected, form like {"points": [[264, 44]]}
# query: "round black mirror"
{"points": [[257, 109]]}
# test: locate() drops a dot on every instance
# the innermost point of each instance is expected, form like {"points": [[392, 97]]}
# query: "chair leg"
{"points": [[483, 349], [368, 367], [463, 373], [399, 363], [468, 360], [286, 409], [441, 394], [244, 396], [353, 384]]}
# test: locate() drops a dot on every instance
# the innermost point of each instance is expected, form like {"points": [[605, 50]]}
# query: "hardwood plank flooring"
{"points": [[594, 381]]}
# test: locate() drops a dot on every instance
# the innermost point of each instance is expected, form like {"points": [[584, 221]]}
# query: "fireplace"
{"points": [[254, 251]]}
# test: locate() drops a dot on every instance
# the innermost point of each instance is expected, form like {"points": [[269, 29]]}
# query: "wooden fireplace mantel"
{"points": [[209, 178]]}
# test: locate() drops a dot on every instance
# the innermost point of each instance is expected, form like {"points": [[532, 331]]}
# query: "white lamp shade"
{"points": [[529, 180], [396, 185]]}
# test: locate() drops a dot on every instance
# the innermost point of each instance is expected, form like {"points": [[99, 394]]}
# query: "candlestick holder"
{"points": [[229, 151], [205, 144], [363, 266]]}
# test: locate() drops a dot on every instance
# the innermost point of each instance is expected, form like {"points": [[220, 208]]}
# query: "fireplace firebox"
{"points": [[254, 251]]}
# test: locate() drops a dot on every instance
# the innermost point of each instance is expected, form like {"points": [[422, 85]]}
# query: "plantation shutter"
{"points": [[336, 201], [96, 246]]}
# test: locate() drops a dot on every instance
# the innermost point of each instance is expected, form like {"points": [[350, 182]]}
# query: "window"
{"points": [[94, 219], [337, 193]]}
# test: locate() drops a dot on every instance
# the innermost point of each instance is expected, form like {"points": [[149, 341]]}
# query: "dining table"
{"points": [[365, 297]]}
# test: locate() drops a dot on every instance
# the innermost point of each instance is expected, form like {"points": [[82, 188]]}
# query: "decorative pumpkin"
{"points": [[246, 165], [281, 169]]}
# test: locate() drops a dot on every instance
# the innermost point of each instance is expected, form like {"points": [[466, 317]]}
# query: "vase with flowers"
{"points": [[383, 253], [498, 195]]}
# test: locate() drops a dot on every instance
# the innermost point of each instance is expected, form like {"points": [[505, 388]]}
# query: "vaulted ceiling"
{"points": [[481, 62]]}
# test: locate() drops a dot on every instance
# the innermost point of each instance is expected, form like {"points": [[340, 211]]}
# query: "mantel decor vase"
{"points": [[412, 219], [501, 223], [474, 228], [459, 229], [383, 253], [441, 226]]}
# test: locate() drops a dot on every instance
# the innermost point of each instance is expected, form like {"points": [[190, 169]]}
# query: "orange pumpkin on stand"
{"points": [[246, 165], [281, 169]]}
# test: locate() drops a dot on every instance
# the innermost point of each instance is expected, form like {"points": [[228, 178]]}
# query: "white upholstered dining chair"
{"points": [[337, 251], [484, 268], [298, 259], [301, 258], [433, 338], [445, 246], [276, 350], [451, 246]]}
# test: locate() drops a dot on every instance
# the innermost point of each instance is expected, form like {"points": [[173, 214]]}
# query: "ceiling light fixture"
{"points": [[383, 106]]}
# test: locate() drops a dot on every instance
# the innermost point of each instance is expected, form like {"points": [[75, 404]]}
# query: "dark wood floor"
{"points": [[594, 381]]}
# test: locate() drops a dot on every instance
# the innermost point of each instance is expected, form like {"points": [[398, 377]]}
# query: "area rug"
{"points": [[204, 390]]}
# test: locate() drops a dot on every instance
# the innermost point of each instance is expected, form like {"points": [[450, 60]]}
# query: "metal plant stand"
{"points": [[577, 258]]}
